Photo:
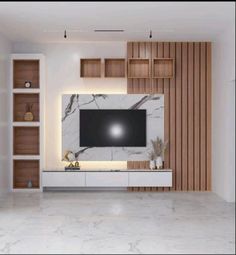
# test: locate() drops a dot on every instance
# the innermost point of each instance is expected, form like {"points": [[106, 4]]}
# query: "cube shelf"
{"points": [[25, 171], [163, 68], [20, 102], [115, 67], [90, 68], [139, 68], [25, 70], [26, 140]]}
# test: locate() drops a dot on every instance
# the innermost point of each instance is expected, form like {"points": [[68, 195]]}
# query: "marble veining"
{"points": [[72, 103], [116, 223]]}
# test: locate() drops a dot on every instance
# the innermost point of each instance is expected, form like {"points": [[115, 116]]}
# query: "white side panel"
{"points": [[111, 179], [149, 179], [65, 179]]}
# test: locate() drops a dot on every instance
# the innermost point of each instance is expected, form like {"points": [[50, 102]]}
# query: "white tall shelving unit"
{"points": [[27, 137]]}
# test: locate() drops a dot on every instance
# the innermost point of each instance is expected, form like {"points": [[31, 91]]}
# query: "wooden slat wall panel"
{"points": [[190, 116], [208, 91], [203, 117], [184, 115], [187, 110], [172, 144], [196, 115], [178, 104], [167, 110]]}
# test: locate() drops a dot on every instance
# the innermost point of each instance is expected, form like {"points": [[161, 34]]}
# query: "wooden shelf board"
{"points": [[26, 124], [25, 91]]}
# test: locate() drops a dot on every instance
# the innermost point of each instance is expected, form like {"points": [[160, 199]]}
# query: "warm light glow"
{"points": [[116, 130], [56, 162]]}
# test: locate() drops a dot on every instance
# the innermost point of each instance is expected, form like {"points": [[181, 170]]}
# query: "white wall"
{"points": [[223, 116], [63, 76], [5, 50]]}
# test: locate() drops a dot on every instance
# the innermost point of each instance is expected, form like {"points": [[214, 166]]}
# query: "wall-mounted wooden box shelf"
{"points": [[139, 68], [90, 67], [25, 171], [25, 70], [26, 140], [20, 102], [163, 68], [115, 67]]}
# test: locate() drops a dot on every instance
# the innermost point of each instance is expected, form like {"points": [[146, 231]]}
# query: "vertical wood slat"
{"points": [[203, 117], [160, 54], [154, 55], [208, 91], [190, 117], [188, 111], [172, 144], [196, 116], [129, 55], [167, 111], [184, 127], [178, 127]]}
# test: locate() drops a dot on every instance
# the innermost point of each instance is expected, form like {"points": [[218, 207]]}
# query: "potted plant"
{"points": [[159, 150]]}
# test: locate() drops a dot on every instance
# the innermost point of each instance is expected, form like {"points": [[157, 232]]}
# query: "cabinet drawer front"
{"points": [[65, 179], [111, 179], [149, 179]]}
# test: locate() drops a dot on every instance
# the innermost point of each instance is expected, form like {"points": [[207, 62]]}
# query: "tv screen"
{"points": [[108, 128]]}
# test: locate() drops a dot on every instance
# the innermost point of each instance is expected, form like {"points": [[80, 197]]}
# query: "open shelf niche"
{"points": [[27, 136], [25, 70], [90, 67], [21, 102], [25, 171], [163, 68], [115, 67], [139, 68]]}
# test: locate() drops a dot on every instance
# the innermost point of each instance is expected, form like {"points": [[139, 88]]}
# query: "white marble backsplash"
{"points": [[72, 103]]}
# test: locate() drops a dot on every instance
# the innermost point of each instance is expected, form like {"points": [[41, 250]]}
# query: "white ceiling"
{"points": [[46, 21]]}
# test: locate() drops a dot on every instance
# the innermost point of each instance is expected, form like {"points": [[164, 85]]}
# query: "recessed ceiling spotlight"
{"points": [[150, 34], [65, 35]]}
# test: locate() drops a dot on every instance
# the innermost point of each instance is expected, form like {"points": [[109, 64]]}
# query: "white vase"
{"points": [[159, 163], [152, 164]]}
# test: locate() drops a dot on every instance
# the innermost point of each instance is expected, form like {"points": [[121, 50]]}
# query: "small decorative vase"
{"points": [[159, 163], [28, 116], [152, 164], [29, 184]]}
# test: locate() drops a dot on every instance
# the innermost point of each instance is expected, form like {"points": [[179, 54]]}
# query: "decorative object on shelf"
{"points": [[29, 115], [77, 164], [69, 157], [159, 149], [29, 184], [28, 84], [152, 163]]}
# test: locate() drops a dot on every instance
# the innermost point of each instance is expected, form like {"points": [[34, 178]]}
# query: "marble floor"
{"points": [[114, 222]]}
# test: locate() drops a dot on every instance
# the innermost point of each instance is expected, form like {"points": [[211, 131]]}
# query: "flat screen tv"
{"points": [[112, 128]]}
